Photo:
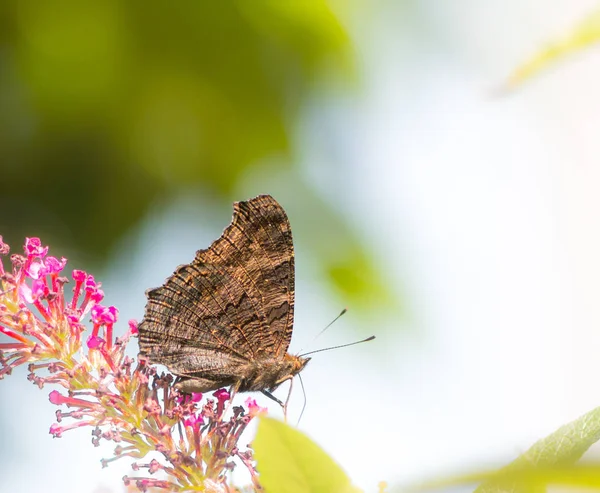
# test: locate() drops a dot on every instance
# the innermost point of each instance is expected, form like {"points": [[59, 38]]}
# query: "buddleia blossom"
{"points": [[96, 385]]}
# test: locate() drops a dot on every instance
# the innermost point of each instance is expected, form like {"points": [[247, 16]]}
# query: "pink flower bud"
{"points": [[56, 397]]}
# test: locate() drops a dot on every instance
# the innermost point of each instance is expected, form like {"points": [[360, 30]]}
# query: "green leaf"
{"points": [[530, 479], [562, 448], [582, 36], [550, 461], [290, 462]]}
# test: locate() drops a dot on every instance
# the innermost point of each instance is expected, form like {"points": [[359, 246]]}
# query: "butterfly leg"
{"points": [[272, 397], [288, 399]]}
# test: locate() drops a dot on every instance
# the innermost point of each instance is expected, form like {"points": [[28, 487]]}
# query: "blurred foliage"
{"points": [[558, 450], [289, 462], [109, 107], [528, 479], [551, 461], [582, 36], [339, 255]]}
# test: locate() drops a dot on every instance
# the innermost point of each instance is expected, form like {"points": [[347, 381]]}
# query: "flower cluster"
{"points": [[123, 400]]}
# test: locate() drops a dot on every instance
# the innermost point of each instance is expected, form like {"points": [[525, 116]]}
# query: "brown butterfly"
{"points": [[226, 319]]}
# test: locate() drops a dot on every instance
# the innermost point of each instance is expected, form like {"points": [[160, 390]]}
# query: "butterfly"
{"points": [[226, 318]]}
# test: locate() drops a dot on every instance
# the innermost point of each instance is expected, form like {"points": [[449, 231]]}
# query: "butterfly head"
{"points": [[289, 368], [297, 363]]}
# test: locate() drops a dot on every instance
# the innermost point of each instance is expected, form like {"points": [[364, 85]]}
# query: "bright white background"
{"points": [[484, 210]]}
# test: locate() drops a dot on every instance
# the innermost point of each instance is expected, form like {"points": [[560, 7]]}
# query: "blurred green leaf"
{"points": [[342, 257], [582, 36], [562, 448], [111, 108], [526, 479], [311, 24], [550, 461], [339, 253], [290, 462], [356, 278]]}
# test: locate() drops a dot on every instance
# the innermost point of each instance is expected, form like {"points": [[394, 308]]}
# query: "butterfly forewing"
{"points": [[270, 266], [233, 304]]}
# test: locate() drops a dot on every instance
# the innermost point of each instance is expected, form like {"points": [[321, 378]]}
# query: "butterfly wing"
{"points": [[232, 304], [262, 232]]}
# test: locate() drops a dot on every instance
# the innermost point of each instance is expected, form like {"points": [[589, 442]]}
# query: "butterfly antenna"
{"points": [[304, 394], [329, 325], [337, 347], [332, 322]]}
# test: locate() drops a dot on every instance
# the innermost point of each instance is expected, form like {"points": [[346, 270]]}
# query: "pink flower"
{"points": [[41, 327], [25, 293], [34, 248], [56, 430], [4, 248], [104, 314], [186, 399], [35, 270], [222, 395], [92, 289], [253, 408], [56, 397], [97, 296], [74, 321], [95, 342], [90, 284], [194, 421], [133, 327], [34, 293], [53, 265], [39, 289]]}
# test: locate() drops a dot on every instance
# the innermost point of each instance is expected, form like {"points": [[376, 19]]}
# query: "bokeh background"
{"points": [[460, 226]]}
